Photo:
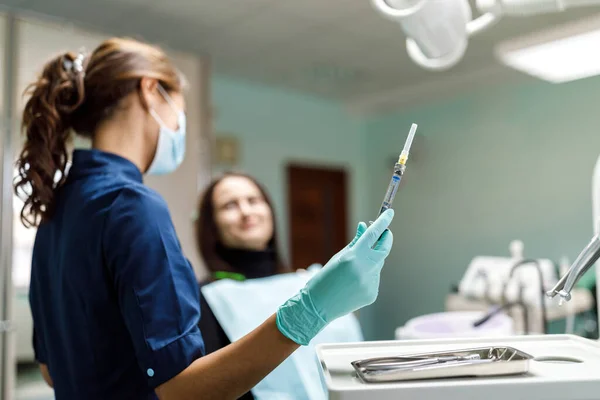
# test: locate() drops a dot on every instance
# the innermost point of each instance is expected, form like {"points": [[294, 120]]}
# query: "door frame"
{"points": [[317, 165]]}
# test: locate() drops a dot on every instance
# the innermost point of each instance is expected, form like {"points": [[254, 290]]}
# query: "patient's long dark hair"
{"points": [[207, 232]]}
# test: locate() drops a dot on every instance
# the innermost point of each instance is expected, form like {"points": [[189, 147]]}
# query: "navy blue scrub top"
{"points": [[115, 303]]}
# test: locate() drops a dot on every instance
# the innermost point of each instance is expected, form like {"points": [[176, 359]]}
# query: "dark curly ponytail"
{"points": [[47, 128]]}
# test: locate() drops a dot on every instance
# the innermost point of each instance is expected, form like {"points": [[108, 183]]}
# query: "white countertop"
{"points": [[545, 381]]}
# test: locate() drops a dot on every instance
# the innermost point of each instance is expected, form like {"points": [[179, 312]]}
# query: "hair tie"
{"points": [[75, 65]]}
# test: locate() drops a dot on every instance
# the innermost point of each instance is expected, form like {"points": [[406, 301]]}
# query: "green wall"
{"points": [[514, 162]]}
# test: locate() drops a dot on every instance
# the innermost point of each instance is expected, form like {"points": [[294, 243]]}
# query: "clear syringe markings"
{"points": [[399, 169]]}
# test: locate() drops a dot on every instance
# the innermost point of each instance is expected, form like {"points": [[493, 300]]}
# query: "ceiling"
{"points": [[337, 49]]}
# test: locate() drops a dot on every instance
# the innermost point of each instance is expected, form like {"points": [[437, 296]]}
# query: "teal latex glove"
{"points": [[349, 281]]}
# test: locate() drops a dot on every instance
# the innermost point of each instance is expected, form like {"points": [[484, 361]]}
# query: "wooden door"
{"points": [[317, 213]]}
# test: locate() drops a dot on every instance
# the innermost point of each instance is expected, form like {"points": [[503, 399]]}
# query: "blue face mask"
{"points": [[170, 148]]}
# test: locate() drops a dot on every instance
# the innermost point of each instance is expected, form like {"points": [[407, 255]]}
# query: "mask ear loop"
{"points": [[168, 98], [157, 117], [171, 103]]}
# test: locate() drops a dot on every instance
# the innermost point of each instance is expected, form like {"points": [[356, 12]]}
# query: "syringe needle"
{"points": [[409, 139], [408, 144]]}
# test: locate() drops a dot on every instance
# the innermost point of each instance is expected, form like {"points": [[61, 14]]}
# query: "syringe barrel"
{"points": [[398, 172], [392, 188]]}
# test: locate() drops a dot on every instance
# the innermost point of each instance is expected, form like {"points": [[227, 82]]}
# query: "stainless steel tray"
{"points": [[483, 361]]}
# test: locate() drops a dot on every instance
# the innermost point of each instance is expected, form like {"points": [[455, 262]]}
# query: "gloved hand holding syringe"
{"points": [[399, 169], [350, 280]]}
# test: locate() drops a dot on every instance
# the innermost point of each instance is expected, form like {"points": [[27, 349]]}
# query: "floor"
{"points": [[31, 385]]}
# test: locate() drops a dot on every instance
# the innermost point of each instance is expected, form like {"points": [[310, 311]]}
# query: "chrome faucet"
{"points": [[586, 259]]}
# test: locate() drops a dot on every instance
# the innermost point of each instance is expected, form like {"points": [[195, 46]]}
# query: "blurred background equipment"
{"points": [[517, 286], [438, 32]]}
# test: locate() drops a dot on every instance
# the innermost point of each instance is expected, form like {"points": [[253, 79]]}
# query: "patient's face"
{"points": [[243, 217]]}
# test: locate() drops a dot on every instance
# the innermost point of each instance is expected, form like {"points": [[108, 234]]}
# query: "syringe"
{"points": [[399, 169]]}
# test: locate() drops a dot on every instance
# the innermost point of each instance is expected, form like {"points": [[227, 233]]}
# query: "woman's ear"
{"points": [[148, 92]]}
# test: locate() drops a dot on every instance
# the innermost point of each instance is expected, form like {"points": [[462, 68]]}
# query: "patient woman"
{"points": [[237, 238]]}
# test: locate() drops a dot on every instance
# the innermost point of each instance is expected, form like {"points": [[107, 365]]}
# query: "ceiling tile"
{"points": [[307, 72], [13, 3], [167, 30], [214, 13], [89, 12], [318, 11], [257, 34], [61, 9], [284, 57], [126, 3], [369, 25], [328, 47], [266, 28]]}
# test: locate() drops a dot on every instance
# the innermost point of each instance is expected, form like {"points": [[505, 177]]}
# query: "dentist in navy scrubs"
{"points": [[114, 301]]}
